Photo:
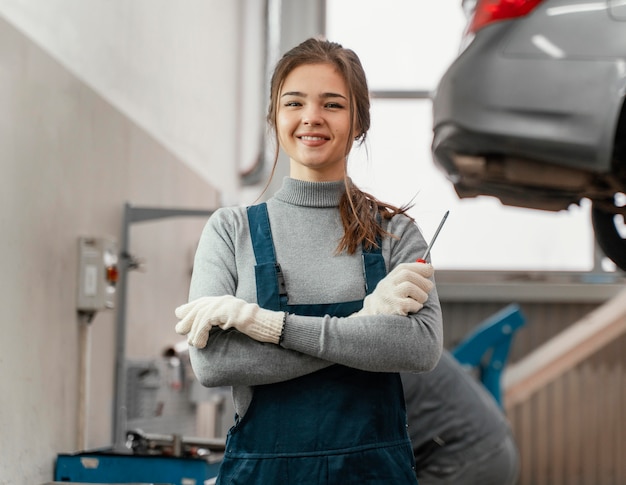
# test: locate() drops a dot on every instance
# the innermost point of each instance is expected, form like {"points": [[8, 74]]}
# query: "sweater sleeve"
{"points": [[381, 343], [223, 265]]}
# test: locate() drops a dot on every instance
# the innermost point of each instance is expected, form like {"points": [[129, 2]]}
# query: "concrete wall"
{"points": [[172, 67], [69, 161]]}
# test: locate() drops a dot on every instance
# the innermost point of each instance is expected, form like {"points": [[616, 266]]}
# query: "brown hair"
{"points": [[360, 212]]}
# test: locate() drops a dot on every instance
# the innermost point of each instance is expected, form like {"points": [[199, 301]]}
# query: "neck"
{"points": [[308, 174]]}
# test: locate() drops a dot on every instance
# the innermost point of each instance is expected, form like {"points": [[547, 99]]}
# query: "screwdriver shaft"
{"points": [[432, 241]]}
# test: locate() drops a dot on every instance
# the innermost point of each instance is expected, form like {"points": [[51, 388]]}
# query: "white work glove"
{"points": [[198, 316], [404, 290]]}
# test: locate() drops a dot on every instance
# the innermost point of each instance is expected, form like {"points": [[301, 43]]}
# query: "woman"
{"points": [[290, 305]]}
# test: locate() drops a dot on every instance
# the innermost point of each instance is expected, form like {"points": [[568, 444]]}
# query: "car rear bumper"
{"points": [[563, 111]]}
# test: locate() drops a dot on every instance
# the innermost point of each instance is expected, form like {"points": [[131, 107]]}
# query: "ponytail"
{"points": [[361, 217]]}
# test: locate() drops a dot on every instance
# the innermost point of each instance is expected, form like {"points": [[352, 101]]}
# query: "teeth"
{"points": [[312, 138]]}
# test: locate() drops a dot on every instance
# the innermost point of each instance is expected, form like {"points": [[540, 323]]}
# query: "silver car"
{"points": [[532, 109]]}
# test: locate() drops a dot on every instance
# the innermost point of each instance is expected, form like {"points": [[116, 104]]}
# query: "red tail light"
{"points": [[489, 11]]}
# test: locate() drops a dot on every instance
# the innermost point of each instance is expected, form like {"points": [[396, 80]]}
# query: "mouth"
{"points": [[313, 138]]}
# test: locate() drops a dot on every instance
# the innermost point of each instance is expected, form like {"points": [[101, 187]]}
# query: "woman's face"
{"points": [[313, 122]]}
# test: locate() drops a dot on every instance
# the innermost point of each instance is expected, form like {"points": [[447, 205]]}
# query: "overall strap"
{"points": [[374, 268], [270, 284], [261, 234]]}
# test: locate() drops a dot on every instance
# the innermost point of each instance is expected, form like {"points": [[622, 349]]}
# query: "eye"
{"points": [[292, 104], [334, 105]]}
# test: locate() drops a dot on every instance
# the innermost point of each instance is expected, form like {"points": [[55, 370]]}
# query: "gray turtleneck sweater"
{"points": [[306, 228]]}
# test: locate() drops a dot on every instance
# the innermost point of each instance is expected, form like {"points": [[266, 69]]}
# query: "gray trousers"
{"points": [[495, 466]]}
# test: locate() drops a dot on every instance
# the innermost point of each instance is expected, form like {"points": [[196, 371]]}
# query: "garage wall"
{"points": [[169, 66], [573, 430], [70, 160]]}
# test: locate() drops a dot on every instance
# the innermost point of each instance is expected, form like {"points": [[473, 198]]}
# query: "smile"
{"points": [[313, 138]]}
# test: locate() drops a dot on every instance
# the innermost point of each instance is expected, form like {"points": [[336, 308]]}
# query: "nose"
{"points": [[312, 117]]}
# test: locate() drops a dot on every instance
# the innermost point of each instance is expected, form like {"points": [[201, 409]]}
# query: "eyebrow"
{"points": [[323, 95]]}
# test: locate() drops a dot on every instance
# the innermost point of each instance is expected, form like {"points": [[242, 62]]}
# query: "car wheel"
{"points": [[610, 234]]}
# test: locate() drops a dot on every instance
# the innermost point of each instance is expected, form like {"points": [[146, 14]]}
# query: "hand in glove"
{"points": [[404, 290], [198, 316]]}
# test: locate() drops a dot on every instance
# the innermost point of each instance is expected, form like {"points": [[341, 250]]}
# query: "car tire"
{"points": [[608, 236]]}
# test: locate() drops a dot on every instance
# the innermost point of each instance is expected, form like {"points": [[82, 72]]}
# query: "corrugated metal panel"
{"points": [[572, 432]]}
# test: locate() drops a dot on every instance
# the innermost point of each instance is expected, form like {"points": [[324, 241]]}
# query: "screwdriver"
{"points": [[432, 241]]}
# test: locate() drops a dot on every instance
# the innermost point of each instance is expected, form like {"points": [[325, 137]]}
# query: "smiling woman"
{"points": [[292, 306]]}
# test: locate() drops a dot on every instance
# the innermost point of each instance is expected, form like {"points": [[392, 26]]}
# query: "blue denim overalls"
{"points": [[336, 426]]}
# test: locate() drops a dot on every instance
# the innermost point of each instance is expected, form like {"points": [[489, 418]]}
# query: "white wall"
{"points": [[172, 67], [69, 162]]}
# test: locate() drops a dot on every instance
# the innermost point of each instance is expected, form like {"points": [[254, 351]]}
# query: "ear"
{"points": [[357, 132]]}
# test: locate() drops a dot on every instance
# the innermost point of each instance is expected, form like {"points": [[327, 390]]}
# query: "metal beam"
{"points": [[528, 286], [132, 215]]}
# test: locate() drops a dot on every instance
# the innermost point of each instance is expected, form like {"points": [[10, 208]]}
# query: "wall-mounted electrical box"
{"points": [[97, 273]]}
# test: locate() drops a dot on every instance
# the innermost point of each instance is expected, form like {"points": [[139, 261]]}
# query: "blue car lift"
{"points": [[486, 348]]}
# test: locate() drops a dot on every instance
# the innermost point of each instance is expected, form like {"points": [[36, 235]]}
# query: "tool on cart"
{"points": [[432, 241], [142, 443]]}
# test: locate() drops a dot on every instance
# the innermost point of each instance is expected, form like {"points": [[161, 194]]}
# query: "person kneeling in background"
{"points": [[458, 432]]}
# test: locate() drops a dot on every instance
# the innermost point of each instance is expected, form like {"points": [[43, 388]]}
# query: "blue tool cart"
{"points": [[153, 459]]}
